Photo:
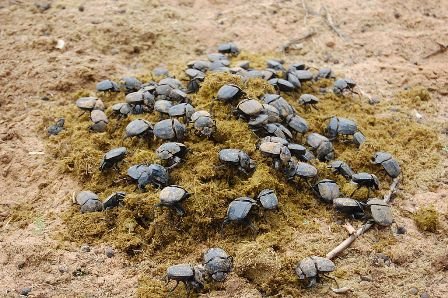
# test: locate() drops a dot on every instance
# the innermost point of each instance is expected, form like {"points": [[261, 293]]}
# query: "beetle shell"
{"points": [[278, 130], [217, 263], [169, 129], [358, 138], [122, 108], [228, 93], [107, 85], [172, 194], [250, 107], [284, 108], [305, 170], [113, 200], [89, 201], [130, 84], [113, 156], [135, 98], [348, 206], [366, 179], [297, 150], [87, 103], [342, 168], [163, 106], [182, 109], [309, 268], [136, 171], [389, 164], [240, 208], [381, 212], [303, 75], [268, 199], [181, 272], [228, 48], [138, 127], [282, 85], [308, 99], [177, 95], [327, 189], [169, 150], [297, 123], [99, 120]]}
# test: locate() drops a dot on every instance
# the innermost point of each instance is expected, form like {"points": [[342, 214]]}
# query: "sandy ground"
{"points": [[385, 46]]}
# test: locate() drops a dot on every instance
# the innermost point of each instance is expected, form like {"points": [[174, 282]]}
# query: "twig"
{"points": [[292, 42], [350, 229], [442, 48], [347, 242], [329, 21]]}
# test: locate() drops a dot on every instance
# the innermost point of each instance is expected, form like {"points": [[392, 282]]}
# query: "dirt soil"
{"points": [[386, 46]]}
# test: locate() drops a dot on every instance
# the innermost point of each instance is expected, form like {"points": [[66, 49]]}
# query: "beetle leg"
{"points": [[314, 106], [355, 191], [332, 278], [225, 222]]}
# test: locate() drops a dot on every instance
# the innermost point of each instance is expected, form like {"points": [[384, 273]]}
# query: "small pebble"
{"points": [[85, 248], [109, 252], [25, 291], [62, 269], [424, 295], [81, 8], [374, 100], [413, 291]]}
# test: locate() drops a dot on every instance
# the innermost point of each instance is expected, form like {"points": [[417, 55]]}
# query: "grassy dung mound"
{"points": [[298, 229]]}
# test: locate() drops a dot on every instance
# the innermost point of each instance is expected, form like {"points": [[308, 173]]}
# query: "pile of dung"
{"points": [[298, 229]]}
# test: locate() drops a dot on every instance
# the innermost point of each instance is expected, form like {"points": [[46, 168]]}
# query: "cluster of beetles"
{"points": [[271, 117]]}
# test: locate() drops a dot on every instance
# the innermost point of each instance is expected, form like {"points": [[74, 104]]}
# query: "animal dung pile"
{"points": [[237, 152]]}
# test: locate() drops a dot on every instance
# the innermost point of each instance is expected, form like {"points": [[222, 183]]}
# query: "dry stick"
{"points": [[442, 49], [292, 42], [330, 23], [347, 242]]}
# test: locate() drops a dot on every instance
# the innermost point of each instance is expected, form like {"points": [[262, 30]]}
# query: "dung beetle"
{"points": [[191, 276], [160, 72], [311, 269], [358, 138], [122, 109], [291, 77], [342, 85], [172, 197], [88, 201], [303, 75], [89, 104], [268, 199], [277, 129], [389, 164], [322, 146], [194, 84], [381, 212], [112, 157], [203, 123], [339, 126], [217, 263], [248, 108], [275, 100], [342, 168], [153, 174], [237, 158], [216, 57], [281, 85], [140, 102], [301, 170], [327, 190], [349, 206], [308, 100], [278, 151], [275, 64], [99, 120], [201, 65], [178, 95], [163, 106], [297, 124], [238, 211], [228, 48], [170, 129], [324, 73], [107, 86], [229, 93], [130, 84], [185, 110], [365, 180], [56, 128], [172, 153], [272, 113], [114, 200], [139, 128]]}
